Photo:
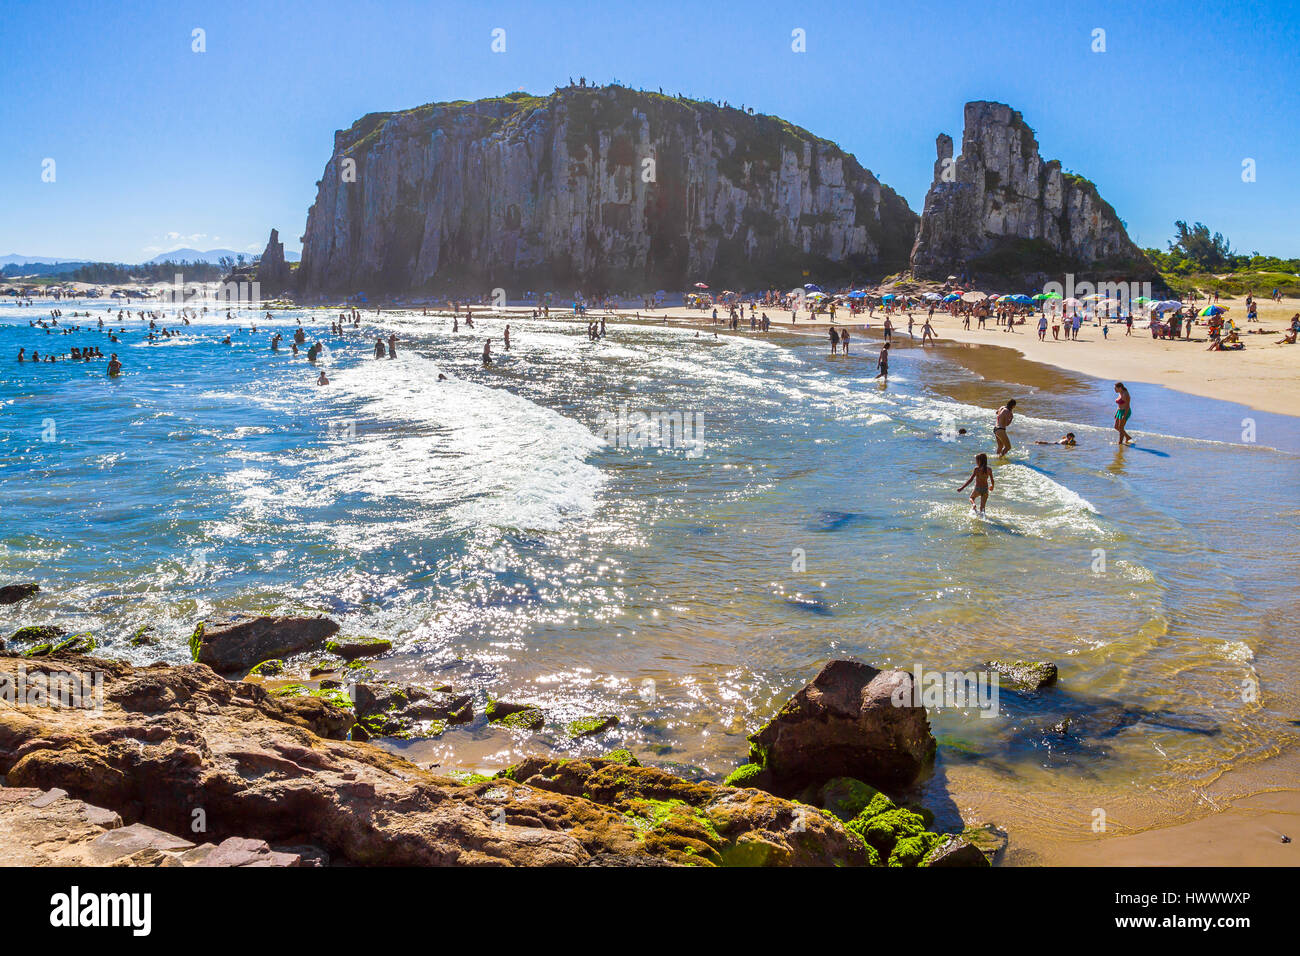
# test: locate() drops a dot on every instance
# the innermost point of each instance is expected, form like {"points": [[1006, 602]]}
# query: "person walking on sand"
{"points": [[927, 333], [982, 476], [1042, 328], [1124, 401], [889, 330], [1003, 421], [882, 363]]}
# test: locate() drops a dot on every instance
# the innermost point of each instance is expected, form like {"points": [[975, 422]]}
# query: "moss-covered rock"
{"points": [[268, 668], [622, 756], [530, 718], [76, 644], [45, 633], [588, 726], [911, 850], [848, 798], [746, 775], [1027, 675], [883, 830]]}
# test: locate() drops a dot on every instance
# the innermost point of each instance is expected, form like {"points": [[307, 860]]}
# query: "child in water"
{"points": [[983, 478]]}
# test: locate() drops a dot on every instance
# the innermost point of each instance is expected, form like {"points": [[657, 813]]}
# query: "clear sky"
{"points": [[158, 147]]}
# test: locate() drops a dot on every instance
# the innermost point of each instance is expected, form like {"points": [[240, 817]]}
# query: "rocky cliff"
{"points": [[999, 208], [594, 188]]}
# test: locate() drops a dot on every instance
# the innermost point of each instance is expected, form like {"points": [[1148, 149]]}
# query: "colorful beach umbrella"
{"points": [[888, 298], [951, 297], [700, 285], [1212, 310]]}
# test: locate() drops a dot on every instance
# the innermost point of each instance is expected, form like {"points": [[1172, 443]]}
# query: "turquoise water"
{"points": [[483, 525]]}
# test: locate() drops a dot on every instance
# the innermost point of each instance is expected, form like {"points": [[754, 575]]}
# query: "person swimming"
{"points": [[322, 379], [114, 366], [1067, 440]]}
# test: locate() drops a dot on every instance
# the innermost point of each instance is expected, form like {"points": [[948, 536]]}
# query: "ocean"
{"points": [[680, 529]]}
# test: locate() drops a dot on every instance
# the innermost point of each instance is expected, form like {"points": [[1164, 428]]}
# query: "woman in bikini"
{"points": [[983, 478], [1122, 413]]}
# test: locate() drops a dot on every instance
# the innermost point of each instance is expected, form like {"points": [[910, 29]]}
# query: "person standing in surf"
{"points": [[983, 478], [1123, 412], [882, 363], [1005, 414], [835, 341], [487, 352]]}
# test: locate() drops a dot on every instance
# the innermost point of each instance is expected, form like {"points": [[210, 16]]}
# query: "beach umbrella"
{"points": [[816, 295], [810, 287], [1165, 306], [700, 285], [857, 294], [974, 296], [1211, 310], [1143, 300], [951, 297], [1021, 299], [888, 298], [932, 296], [1072, 304]]}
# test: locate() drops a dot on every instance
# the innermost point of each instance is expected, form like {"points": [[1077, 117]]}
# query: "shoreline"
{"points": [[1264, 376]]}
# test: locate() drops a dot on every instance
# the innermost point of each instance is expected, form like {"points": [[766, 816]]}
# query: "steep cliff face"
{"points": [[593, 188], [999, 208]]}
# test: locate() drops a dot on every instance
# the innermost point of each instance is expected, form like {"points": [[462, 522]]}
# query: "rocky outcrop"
{"points": [[999, 209], [13, 593], [172, 740], [594, 188], [239, 641], [851, 721], [272, 269]]}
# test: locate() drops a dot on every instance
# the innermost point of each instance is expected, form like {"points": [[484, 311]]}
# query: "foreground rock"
{"points": [[50, 828], [170, 739], [13, 593], [237, 642], [1000, 210], [851, 721]]}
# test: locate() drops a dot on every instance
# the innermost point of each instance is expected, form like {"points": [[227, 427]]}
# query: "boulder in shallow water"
{"points": [[851, 721], [239, 641], [13, 593], [953, 850], [1026, 675], [351, 648]]}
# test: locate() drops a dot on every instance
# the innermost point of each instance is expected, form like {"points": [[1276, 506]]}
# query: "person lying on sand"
{"points": [[1067, 440]]}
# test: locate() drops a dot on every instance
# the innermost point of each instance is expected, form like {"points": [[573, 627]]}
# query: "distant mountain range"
{"points": [[53, 265]]}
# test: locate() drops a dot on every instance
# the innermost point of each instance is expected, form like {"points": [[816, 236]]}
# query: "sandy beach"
{"points": [[1263, 376]]}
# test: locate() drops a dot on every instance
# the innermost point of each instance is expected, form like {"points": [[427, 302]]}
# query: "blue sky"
{"points": [[158, 147]]}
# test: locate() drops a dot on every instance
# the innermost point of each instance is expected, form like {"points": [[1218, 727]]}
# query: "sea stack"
{"points": [[999, 209], [599, 188], [272, 269]]}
